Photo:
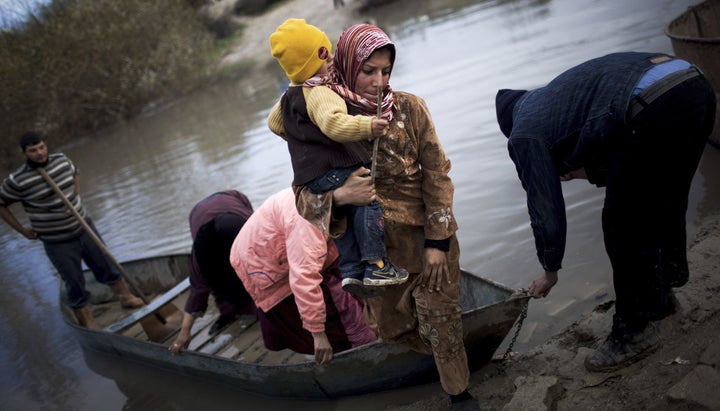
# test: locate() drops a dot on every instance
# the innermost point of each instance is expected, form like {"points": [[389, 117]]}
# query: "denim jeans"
{"points": [[364, 238], [67, 257]]}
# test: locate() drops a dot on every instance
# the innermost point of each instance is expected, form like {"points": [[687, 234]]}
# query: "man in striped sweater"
{"points": [[65, 241]]}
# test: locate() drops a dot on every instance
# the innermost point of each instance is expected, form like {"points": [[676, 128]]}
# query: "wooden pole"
{"points": [[94, 236], [377, 139]]}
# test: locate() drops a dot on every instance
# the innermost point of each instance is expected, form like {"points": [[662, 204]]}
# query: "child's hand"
{"points": [[379, 127]]}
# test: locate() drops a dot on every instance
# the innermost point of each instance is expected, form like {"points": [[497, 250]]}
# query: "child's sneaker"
{"points": [[388, 275], [355, 286]]}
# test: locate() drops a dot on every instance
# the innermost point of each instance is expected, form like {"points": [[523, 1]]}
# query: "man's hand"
{"points": [[543, 284], [435, 269], [29, 233], [323, 349], [9, 217], [357, 189], [579, 173]]}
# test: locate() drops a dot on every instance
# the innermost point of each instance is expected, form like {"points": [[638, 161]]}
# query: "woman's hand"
{"points": [[543, 284], [323, 349], [357, 189], [181, 343], [435, 269], [183, 339]]}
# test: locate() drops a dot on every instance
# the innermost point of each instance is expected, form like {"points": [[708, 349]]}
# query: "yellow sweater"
{"points": [[328, 111]]}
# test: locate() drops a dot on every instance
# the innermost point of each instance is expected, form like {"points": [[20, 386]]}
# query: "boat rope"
{"points": [[518, 326]]}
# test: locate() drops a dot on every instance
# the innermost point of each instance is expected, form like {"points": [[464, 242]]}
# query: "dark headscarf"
{"points": [[214, 223], [505, 101], [228, 201]]}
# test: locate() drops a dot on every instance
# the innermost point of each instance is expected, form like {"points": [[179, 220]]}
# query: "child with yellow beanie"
{"points": [[325, 145]]}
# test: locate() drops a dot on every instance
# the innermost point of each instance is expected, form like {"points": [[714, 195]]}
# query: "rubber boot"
{"points": [[127, 299], [84, 317]]}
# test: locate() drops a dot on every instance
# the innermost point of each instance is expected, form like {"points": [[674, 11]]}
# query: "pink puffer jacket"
{"points": [[278, 253]]}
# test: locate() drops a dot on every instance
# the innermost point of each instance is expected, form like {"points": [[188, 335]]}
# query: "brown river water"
{"points": [[140, 180]]}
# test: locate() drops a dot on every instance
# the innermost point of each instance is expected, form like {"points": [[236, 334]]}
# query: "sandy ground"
{"points": [[684, 374], [254, 44]]}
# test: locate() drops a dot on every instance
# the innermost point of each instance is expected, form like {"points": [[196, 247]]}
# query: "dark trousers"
{"points": [[67, 257], [282, 326], [650, 169]]}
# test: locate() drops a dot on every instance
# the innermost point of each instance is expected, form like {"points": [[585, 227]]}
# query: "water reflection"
{"points": [[140, 180], [152, 389]]}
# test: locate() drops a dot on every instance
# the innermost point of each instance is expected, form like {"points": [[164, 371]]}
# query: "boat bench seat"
{"points": [[149, 309]]}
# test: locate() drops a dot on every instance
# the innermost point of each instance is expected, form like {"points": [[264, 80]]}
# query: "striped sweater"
{"points": [[49, 216]]}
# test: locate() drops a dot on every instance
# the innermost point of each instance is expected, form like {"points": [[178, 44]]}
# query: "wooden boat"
{"points": [[695, 36], [236, 357]]}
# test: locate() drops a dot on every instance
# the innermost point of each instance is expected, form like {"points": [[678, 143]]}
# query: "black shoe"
{"points": [[222, 322], [389, 274], [356, 287], [618, 352]]}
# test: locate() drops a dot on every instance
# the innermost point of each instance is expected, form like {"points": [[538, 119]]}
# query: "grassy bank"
{"points": [[76, 66]]}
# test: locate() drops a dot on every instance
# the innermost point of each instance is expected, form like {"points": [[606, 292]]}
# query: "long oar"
{"points": [[95, 238], [377, 139]]}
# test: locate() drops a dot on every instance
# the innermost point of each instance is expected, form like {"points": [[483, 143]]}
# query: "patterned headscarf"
{"points": [[354, 47]]}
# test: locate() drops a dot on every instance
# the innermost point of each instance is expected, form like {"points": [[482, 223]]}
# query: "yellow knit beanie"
{"points": [[300, 48]]}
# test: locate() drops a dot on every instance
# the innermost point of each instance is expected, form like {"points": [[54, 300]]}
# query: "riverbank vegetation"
{"points": [[75, 66]]}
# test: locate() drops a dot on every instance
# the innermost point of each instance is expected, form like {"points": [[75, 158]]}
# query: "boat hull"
{"points": [[695, 37], [489, 312]]}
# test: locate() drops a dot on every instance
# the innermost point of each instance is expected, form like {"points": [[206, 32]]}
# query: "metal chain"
{"points": [[523, 315]]}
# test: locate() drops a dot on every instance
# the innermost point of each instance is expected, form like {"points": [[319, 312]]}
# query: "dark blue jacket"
{"points": [[567, 125]]}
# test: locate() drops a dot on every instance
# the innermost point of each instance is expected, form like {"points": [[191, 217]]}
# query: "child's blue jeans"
{"points": [[364, 238]]}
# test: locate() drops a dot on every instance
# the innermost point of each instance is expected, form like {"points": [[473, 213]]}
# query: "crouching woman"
{"points": [[289, 268]]}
